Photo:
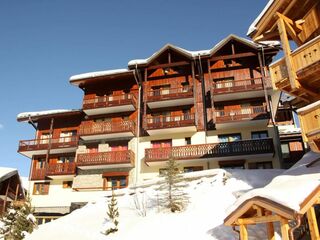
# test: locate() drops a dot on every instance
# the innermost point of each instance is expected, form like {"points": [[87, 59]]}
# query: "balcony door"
{"points": [[44, 138], [229, 137], [67, 136], [161, 143]]}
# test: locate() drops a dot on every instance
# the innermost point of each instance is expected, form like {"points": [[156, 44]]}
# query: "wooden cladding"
{"points": [[189, 152], [43, 144], [109, 101], [157, 122], [169, 93], [106, 158], [38, 174], [244, 113], [106, 127], [61, 168], [230, 86]]}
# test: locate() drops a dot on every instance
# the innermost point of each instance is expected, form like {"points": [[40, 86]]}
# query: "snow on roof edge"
{"points": [[252, 27], [309, 107], [24, 115], [98, 74]]}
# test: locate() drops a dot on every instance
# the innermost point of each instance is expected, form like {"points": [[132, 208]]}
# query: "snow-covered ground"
{"points": [[210, 193]]}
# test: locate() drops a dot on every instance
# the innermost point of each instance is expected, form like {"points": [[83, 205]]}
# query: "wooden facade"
{"points": [[298, 72]]}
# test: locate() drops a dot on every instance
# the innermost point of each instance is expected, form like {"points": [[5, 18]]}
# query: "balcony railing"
{"points": [[244, 147], [106, 158], [38, 173], [169, 122], [169, 94], [109, 101], [303, 57], [43, 144], [94, 128], [245, 113], [61, 168], [230, 86]]}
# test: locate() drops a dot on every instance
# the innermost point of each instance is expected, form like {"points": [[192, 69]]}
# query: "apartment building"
{"points": [[206, 109]]}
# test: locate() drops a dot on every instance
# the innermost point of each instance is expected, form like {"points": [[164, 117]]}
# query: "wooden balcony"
{"points": [[212, 150], [305, 64], [109, 104], [253, 87], [55, 170], [40, 146], [107, 130], [170, 124], [38, 174], [310, 125], [112, 159], [243, 114], [159, 98]]}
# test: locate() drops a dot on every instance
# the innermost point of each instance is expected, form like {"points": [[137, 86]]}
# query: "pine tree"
{"points": [[8, 220], [113, 214], [173, 196], [25, 221]]}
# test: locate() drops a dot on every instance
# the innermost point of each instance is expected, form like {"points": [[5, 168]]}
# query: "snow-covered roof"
{"points": [[6, 173], [253, 25], [99, 74], [309, 107], [208, 52], [26, 115], [290, 189]]}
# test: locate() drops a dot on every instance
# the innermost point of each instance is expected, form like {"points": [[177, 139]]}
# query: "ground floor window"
{"points": [[45, 219], [233, 164], [260, 165], [67, 184], [115, 180], [192, 169], [41, 188]]}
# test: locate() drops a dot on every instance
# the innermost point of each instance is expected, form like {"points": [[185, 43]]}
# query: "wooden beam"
{"points": [[6, 196], [287, 52], [243, 232], [17, 192], [258, 209], [274, 35], [313, 225], [284, 229], [270, 231], [294, 24], [233, 56], [165, 65], [257, 220]]}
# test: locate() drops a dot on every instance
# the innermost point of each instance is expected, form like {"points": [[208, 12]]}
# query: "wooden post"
{"points": [[270, 231], [6, 196], [50, 141], [284, 229], [17, 192], [313, 225], [287, 52], [194, 94], [211, 93], [243, 232]]}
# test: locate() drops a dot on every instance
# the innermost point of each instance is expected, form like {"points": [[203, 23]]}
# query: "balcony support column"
{"points": [[50, 140]]}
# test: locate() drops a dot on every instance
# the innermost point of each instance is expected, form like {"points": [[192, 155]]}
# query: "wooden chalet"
{"points": [[298, 72]]}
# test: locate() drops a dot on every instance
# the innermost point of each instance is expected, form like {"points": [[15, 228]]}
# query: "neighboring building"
{"points": [[298, 72], [206, 109], [11, 189], [292, 145]]}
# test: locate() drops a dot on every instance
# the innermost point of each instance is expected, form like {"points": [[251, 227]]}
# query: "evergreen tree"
{"points": [[8, 220], [113, 214], [173, 196]]}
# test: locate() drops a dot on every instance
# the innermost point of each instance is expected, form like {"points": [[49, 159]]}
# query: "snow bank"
{"points": [[210, 193]]}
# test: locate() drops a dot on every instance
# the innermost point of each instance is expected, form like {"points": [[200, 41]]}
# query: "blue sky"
{"points": [[44, 42]]}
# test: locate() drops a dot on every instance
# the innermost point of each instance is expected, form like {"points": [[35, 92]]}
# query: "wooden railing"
{"points": [[42, 144], [105, 158], [302, 57], [169, 121], [221, 87], [61, 168], [244, 147], [109, 101], [245, 113], [93, 128], [169, 94], [38, 173]]}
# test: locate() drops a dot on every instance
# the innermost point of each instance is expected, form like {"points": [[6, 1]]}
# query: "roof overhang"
{"points": [[36, 116]]}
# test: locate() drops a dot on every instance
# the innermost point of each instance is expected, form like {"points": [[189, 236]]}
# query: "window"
{"points": [[260, 165], [236, 164], [115, 180], [163, 171], [285, 150], [40, 163], [188, 141], [67, 184], [67, 136], [65, 159], [44, 138], [161, 143], [259, 135], [41, 188], [192, 169], [230, 137]]}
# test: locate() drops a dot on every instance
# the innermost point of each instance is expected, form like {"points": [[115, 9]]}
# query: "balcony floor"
{"points": [[240, 95], [242, 124], [29, 154], [105, 166], [107, 110], [107, 136], [174, 130], [170, 103]]}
